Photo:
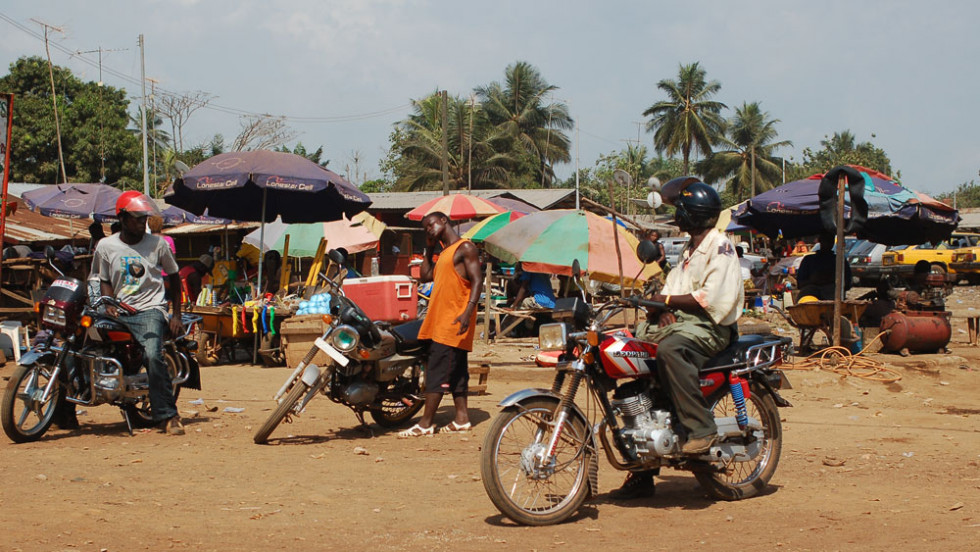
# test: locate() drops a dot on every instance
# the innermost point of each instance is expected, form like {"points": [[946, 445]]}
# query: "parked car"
{"points": [[865, 261], [900, 260], [966, 264], [673, 247]]}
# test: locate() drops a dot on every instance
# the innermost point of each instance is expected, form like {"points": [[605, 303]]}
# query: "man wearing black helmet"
{"points": [[703, 295]]}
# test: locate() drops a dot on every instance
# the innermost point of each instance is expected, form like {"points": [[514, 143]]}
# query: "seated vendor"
{"points": [[192, 276], [534, 291], [817, 272]]}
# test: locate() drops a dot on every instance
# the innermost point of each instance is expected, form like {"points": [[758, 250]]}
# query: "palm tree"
{"points": [[688, 120], [520, 112], [749, 163]]}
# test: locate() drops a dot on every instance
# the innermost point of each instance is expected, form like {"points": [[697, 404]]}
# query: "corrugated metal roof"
{"points": [[405, 201], [25, 226], [187, 229]]}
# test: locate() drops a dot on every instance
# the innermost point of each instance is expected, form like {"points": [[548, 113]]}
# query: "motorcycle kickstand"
{"points": [[366, 427], [129, 425]]}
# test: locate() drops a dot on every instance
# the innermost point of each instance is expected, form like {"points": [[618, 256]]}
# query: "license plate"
{"points": [[336, 355]]}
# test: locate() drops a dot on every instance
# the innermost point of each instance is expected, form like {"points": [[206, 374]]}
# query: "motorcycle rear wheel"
{"points": [[393, 411], [34, 419], [747, 479], [295, 394], [533, 495], [140, 414]]}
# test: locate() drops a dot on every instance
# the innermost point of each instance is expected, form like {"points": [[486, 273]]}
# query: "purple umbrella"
{"points": [[261, 185], [73, 200], [892, 214]]}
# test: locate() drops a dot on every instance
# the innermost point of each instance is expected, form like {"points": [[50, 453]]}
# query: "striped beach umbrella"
{"points": [[550, 241], [456, 207], [487, 226]]}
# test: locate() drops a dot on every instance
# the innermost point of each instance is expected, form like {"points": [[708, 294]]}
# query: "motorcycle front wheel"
{"points": [[747, 479], [285, 407], [24, 416], [518, 484]]}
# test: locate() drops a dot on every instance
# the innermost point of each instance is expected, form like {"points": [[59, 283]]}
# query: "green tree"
{"points": [[376, 186], [95, 142], [967, 194], [842, 149], [523, 112], [750, 139], [688, 121], [315, 156]]}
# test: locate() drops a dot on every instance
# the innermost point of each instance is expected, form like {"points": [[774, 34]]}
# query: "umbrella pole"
{"points": [[839, 268], [615, 228], [258, 293]]}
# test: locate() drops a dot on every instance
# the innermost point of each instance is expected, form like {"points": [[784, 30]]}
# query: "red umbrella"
{"points": [[456, 207]]}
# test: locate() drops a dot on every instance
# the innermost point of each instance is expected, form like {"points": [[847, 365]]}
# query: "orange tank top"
{"points": [[450, 293]]}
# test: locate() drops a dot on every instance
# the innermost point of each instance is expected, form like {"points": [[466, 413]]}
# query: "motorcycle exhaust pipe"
{"points": [[608, 448]]}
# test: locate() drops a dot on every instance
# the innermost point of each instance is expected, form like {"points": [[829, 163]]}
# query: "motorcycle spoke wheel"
{"points": [[24, 417], [398, 404], [282, 410], [518, 485], [739, 480]]}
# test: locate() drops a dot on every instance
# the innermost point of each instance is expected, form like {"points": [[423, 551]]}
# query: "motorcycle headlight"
{"points": [[552, 337], [344, 338], [54, 316]]}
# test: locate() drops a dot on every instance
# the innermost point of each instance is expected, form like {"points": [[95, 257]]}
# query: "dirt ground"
{"points": [[865, 466]]}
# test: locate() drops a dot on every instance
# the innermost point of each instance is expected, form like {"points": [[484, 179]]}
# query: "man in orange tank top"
{"points": [[450, 322]]}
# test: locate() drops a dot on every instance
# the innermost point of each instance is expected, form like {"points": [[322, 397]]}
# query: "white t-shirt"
{"points": [[712, 275], [111, 262]]}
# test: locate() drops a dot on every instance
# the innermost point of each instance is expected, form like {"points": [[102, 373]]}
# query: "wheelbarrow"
{"points": [[818, 316]]}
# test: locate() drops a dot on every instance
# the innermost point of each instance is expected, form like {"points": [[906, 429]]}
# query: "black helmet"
{"points": [[696, 204]]}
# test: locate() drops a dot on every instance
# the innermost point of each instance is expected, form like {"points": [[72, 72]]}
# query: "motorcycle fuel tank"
{"points": [[105, 330], [626, 357]]}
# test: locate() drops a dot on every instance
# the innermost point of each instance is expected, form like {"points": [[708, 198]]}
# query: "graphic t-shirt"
{"points": [[111, 263]]}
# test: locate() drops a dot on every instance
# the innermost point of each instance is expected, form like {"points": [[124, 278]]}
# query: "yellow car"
{"points": [[901, 260]]}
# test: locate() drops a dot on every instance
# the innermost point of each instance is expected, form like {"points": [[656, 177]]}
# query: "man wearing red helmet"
{"points": [[129, 266]]}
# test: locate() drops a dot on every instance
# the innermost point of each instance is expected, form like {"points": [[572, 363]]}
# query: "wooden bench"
{"points": [[482, 372]]}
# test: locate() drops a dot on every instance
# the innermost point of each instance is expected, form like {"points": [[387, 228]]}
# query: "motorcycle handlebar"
{"points": [[637, 302]]}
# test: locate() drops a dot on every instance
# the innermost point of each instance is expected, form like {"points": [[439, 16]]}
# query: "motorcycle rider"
{"points": [[706, 292], [142, 287]]}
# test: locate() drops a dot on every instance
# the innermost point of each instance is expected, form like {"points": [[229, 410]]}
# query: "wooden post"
{"points": [[619, 254], [286, 269], [486, 306], [839, 268]]}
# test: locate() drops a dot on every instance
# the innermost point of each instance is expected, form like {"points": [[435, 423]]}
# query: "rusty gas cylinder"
{"points": [[919, 332]]}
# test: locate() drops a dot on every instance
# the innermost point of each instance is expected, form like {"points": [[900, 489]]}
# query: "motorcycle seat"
{"points": [[734, 353], [407, 338]]}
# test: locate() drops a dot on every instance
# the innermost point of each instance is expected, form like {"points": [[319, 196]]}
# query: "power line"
{"points": [[75, 54]]}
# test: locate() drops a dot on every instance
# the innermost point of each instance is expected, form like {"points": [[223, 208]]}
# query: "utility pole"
{"points": [[577, 203], [469, 164], [153, 114], [101, 84], [445, 142], [146, 169], [54, 95]]}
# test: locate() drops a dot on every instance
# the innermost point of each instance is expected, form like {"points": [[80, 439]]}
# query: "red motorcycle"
{"points": [[540, 455]]}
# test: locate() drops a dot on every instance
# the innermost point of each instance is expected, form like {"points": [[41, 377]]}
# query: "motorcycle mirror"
{"points": [[646, 251], [576, 269], [337, 256], [137, 270], [49, 253]]}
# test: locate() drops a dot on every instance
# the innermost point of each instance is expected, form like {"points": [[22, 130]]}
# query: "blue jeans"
{"points": [[150, 329]]}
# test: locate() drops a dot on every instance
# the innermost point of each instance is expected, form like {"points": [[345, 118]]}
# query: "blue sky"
{"points": [[903, 72]]}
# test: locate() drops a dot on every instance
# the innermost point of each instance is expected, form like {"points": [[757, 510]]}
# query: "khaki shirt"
{"points": [[712, 275]]}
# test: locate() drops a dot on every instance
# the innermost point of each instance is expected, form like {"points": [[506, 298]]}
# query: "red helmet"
{"points": [[136, 204]]}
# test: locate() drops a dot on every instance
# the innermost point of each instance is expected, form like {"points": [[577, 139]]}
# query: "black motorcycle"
{"points": [[88, 358]]}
